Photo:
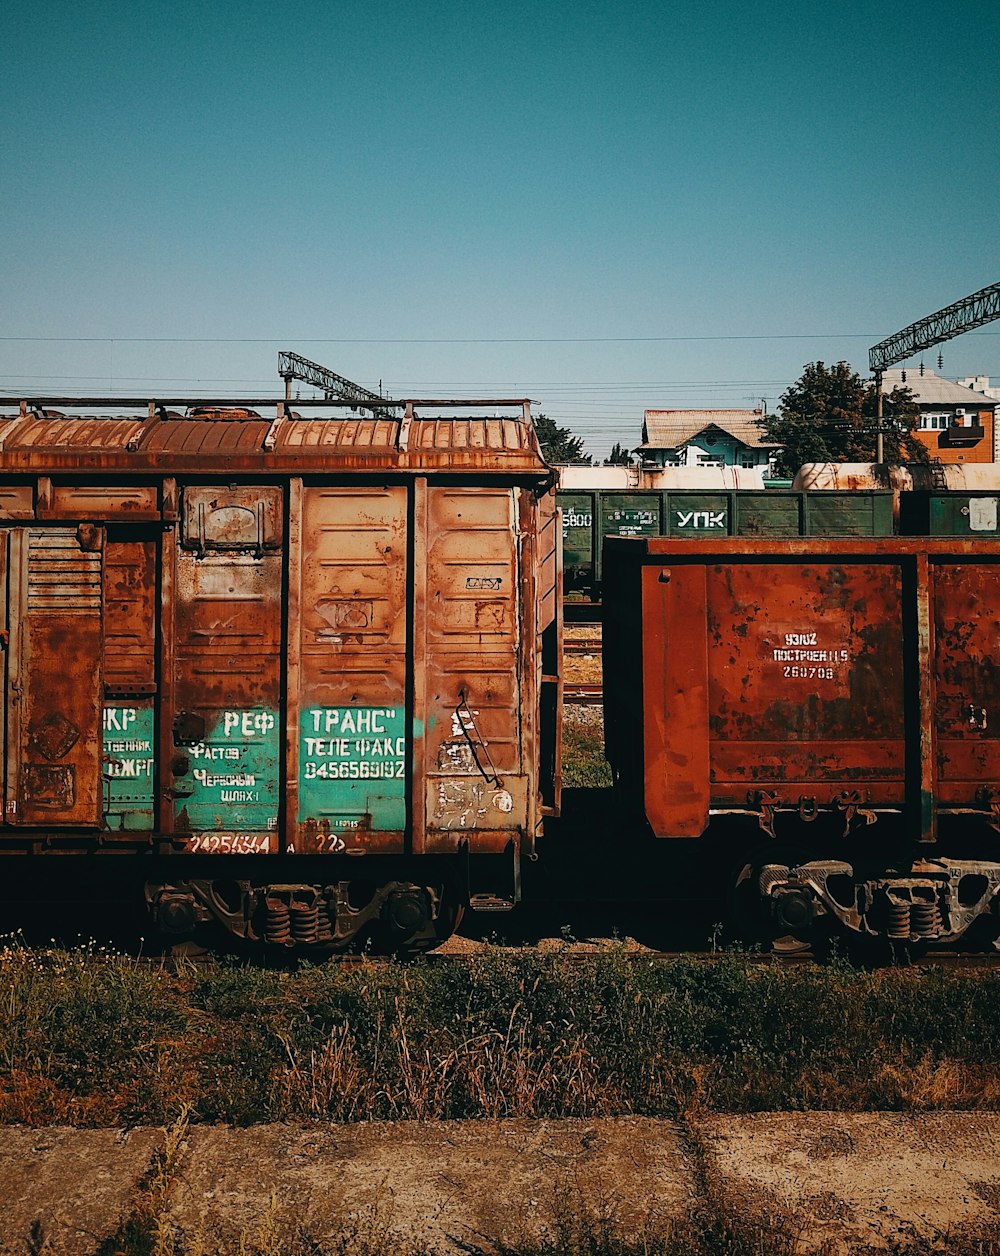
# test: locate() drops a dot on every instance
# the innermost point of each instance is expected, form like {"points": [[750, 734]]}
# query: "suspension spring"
{"points": [[899, 920], [305, 922], [927, 920], [277, 925], [324, 931]]}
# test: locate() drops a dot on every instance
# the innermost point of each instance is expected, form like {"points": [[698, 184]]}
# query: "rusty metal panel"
{"points": [[297, 434], [353, 728], [54, 690], [10, 609], [226, 696], [676, 680], [17, 501], [475, 774], [203, 437], [966, 618], [130, 620], [103, 501], [491, 436], [540, 668], [776, 675], [90, 433], [233, 518], [545, 524], [806, 678], [130, 612]]}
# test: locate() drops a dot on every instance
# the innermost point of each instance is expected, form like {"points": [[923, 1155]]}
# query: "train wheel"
{"points": [[449, 917], [750, 914]]}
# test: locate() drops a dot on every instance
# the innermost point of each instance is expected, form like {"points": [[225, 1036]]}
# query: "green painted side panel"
{"points": [[768, 513], [840, 513], [964, 514], [578, 539], [353, 767], [233, 776], [128, 767], [697, 515], [628, 514]]}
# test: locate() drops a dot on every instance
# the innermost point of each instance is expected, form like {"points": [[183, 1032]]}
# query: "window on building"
{"points": [[748, 460], [933, 422]]}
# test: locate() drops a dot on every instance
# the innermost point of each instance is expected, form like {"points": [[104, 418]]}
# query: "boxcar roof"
{"points": [[52, 433]]}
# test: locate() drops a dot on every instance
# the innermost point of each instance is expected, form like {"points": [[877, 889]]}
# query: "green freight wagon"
{"points": [[588, 516]]}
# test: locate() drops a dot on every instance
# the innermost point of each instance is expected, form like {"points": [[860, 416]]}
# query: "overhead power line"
{"points": [[435, 340]]}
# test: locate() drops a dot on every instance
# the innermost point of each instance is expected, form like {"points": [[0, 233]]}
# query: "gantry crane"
{"points": [[972, 311], [336, 387]]}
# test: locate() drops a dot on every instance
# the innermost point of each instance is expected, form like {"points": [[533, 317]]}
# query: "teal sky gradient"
{"points": [[340, 178]]}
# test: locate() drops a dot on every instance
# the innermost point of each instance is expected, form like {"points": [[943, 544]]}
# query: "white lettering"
{"points": [[117, 719]]}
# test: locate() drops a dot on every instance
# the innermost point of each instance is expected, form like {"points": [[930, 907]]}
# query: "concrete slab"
{"points": [[862, 1178], [436, 1186], [62, 1190]]}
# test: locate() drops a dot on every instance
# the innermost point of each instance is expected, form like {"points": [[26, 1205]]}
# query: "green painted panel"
{"points": [[128, 767], [630, 514], [848, 513], [234, 773], [578, 539], [768, 513], [964, 514], [696, 514], [353, 767]]}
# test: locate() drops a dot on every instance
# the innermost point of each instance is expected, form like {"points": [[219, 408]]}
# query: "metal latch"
{"points": [[767, 802], [850, 803]]}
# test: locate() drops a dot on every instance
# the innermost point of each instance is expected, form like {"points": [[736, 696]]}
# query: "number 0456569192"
{"points": [[354, 770]]}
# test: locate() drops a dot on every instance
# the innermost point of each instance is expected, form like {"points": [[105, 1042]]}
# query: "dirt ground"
{"points": [[839, 1182]]}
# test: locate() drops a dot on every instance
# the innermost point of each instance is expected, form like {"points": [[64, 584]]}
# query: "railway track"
{"points": [[582, 694], [582, 645]]}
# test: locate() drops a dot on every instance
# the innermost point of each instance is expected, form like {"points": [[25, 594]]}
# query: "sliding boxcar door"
{"points": [[54, 690], [351, 637], [227, 633]]}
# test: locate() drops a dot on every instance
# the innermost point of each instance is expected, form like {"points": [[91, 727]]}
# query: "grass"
{"points": [[91, 1038], [94, 1038], [583, 762]]}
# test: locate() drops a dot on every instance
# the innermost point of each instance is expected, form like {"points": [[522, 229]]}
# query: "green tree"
{"points": [[619, 457], [559, 445], [829, 415]]}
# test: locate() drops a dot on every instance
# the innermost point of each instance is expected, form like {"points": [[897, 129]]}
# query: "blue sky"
{"points": [[604, 207]]}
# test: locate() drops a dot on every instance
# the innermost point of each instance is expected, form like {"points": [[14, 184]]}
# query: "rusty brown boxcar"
{"points": [[305, 664], [822, 714]]}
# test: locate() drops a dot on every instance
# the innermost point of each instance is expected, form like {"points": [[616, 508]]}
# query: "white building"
{"points": [[705, 438]]}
